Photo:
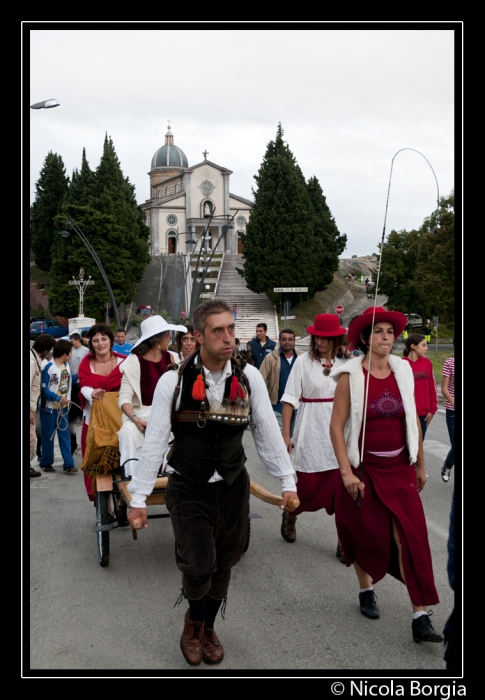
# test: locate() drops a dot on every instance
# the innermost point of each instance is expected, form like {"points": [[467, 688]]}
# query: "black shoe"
{"points": [[288, 527], [34, 473], [423, 630], [368, 605], [47, 468], [340, 554]]}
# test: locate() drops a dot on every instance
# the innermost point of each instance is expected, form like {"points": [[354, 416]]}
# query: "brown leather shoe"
{"points": [[213, 650], [192, 640], [288, 527]]}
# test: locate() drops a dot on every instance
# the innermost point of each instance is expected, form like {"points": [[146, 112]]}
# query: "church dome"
{"points": [[169, 155]]}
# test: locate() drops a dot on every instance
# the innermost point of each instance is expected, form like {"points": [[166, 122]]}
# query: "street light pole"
{"points": [[70, 222]]}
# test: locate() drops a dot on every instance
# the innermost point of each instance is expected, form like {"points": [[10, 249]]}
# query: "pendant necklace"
{"points": [[327, 368]]}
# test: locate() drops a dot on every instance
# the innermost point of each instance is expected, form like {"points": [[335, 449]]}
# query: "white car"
{"points": [[415, 320]]}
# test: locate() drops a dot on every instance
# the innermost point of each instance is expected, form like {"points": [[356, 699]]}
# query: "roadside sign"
{"points": [[339, 309], [290, 289], [287, 318]]}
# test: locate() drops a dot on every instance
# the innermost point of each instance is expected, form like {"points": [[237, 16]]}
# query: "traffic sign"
{"points": [[290, 289], [287, 318], [339, 309]]}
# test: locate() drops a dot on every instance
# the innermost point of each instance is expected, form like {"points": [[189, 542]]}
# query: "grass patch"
{"points": [[307, 310]]}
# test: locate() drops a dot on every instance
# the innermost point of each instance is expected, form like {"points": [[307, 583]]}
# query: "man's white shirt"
{"points": [[266, 434]]}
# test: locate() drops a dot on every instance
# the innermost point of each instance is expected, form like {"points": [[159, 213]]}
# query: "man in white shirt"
{"points": [[208, 404], [42, 347]]}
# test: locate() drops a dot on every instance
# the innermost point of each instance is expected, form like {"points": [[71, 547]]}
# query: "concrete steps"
{"points": [[252, 308]]}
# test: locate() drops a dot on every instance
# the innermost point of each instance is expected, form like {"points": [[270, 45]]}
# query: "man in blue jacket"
{"points": [[261, 345]]}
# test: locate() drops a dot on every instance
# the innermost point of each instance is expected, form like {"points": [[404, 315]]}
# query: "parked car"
{"points": [[145, 311], [51, 327], [415, 320]]}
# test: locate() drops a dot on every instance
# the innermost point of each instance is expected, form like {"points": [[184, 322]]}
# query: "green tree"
{"points": [[417, 270], [51, 191], [105, 209], [435, 269], [280, 245], [82, 183], [333, 242]]}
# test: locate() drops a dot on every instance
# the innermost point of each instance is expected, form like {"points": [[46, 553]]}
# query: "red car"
{"points": [[145, 311]]}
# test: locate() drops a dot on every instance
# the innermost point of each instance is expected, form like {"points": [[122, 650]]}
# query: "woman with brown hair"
{"points": [[376, 435], [310, 389], [185, 343], [148, 360], [98, 373], [425, 393]]}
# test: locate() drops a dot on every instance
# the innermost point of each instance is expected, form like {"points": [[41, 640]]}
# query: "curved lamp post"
{"points": [[46, 104], [72, 224]]}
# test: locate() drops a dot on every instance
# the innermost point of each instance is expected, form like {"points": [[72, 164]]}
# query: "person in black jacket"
{"points": [[261, 345]]}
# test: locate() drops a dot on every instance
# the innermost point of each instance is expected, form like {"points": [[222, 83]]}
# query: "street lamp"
{"points": [[72, 224], [46, 104]]}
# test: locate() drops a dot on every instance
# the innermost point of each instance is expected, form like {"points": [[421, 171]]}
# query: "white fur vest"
{"points": [[405, 381]]}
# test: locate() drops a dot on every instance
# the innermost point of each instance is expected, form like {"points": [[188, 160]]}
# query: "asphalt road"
{"points": [[292, 608]]}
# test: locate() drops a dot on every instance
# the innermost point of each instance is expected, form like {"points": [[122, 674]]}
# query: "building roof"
{"points": [[169, 155]]}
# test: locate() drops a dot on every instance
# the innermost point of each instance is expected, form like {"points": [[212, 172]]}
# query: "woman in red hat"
{"points": [[385, 531], [311, 389]]}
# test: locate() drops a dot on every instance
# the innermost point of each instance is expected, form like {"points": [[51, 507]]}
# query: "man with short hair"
{"points": [[41, 348], [121, 345], [276, 368], [207, 404], [261, 345]]}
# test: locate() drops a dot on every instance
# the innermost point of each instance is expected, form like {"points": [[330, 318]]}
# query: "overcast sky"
{"points": [[348, 100]]}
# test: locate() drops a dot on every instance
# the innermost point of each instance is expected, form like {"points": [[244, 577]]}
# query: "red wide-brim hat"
{"points": [[397, 318], [327, 325]]}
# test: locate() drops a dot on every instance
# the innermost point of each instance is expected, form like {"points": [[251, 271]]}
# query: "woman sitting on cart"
{"points": [[98, 373], [148, 360]]}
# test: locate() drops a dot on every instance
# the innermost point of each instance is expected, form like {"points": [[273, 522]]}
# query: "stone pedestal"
{"points": [[80, 322]]}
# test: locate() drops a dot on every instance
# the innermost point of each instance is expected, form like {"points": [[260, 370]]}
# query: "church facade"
{"points": [[183, 199]]}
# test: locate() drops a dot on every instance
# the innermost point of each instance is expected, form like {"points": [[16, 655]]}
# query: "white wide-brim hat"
{"points": [[154, 326]]}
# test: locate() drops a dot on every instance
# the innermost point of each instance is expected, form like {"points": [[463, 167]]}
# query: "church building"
{"points": [[183, 199]]}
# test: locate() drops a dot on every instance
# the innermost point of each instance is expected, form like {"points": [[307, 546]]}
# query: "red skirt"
{"points": [[365, 532], [317, 490]]}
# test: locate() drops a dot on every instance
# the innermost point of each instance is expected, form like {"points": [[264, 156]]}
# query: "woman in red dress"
{"points": [[98, 373], [385, 531]]}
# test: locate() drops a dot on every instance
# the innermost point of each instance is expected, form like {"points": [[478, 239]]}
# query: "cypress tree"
{"points": [[333, 243], [104, 207], [280, 245], [51, 191]]}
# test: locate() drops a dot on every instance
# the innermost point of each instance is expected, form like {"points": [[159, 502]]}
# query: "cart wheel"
{"points": [[102, 538], [246, 546]]}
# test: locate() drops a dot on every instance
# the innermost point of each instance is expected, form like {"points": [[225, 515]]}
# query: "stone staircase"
{"points": [[252, 308]]}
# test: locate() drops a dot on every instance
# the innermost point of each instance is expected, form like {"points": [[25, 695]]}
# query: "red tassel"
{"points": [[237, 391], [198, 390]]}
